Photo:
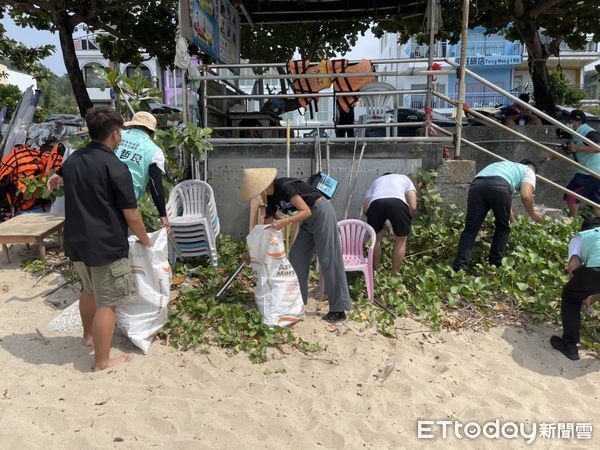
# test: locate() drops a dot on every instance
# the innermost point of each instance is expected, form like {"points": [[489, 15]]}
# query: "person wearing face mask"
{"points": [[583, 183], [100, 205]]}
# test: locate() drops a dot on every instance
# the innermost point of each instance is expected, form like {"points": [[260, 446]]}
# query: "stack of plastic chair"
{"points": [[352, 238], [192, 213]]}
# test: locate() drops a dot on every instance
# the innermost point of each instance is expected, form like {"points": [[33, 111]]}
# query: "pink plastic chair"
{"points": [[352, 237]]}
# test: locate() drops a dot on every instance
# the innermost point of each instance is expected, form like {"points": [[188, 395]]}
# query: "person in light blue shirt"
{"points": [[583, 183], [583, 287], [493, 189], [145, 160]]}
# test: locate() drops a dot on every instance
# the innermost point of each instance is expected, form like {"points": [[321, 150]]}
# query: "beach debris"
{"points": [[178, 279], [385, 372], [44, 339], [383, 306], [118, 439], [5, 288]]}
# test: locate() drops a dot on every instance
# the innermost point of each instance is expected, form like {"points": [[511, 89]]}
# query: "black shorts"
{"points": [[586, 186], [392, 209]]}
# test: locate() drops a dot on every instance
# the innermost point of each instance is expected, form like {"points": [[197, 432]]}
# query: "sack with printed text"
{"points": [[146, 312], [277, 295]]}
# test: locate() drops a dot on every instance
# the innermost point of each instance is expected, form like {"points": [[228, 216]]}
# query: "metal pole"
{"points": [[526, 139], [461, 77], [403, 139], [432, 27], [525, 105], [539, 177], [309, 76], [321, 95]]}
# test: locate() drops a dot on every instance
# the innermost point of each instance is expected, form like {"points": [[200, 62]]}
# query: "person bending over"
{"points": [[391, 197], [290, 200], [493, 189]]}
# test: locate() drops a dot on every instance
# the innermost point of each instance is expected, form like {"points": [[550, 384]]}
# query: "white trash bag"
{"points": [[146, 312], [278, 296]]}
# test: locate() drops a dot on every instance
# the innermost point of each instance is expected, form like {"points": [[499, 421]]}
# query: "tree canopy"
{"points": [[20, 56], [541, 25]]}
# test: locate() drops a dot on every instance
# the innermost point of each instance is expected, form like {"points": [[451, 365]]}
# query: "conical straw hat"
{"points": [[254, 181]]}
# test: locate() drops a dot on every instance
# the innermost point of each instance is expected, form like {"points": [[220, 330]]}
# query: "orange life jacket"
{"points": [[25, 162], [306, 85], [349, 84]]}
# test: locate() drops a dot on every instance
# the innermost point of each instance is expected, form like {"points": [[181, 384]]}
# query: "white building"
{"points": [[89, 56], [16, 77]]}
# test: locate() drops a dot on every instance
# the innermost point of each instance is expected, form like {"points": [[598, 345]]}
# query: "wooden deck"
{"points": [[30, 229]]}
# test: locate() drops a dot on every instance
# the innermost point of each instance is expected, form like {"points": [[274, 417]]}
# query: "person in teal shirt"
{"points": [[583, 287], [145, 160], [493, 189], [583, 183]]}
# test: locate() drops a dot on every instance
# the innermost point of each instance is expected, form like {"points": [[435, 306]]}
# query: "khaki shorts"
{"points": [[111, 284]]}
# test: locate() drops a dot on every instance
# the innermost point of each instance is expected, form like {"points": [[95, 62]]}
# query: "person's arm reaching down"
{"points": [[158, 194], [136, 225], [528, 202], [411, 199]]}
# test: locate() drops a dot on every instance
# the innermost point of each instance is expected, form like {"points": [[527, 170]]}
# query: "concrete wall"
{"points": [[225, 166], [506, 145], [226, 163]]}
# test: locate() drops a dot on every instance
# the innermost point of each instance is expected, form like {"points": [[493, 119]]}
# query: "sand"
{"points": [[50, 398]]}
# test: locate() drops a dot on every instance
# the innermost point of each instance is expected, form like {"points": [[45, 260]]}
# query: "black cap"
{"points": [[577, 114]]}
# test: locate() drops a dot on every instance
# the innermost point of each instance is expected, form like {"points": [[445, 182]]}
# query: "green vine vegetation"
{"points": [[198, 320], [526, 287], [528, 284]]}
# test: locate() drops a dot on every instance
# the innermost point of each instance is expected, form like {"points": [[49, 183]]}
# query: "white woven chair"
{"points": [[192, 213]]}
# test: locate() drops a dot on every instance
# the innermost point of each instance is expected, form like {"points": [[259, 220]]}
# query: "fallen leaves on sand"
{"points": [[178, 279]]}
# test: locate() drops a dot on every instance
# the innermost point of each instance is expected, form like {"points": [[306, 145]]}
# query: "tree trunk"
{"points": [[537, 59], [65, 34]]}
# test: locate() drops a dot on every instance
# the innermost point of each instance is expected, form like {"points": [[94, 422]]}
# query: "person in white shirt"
{"points": [[583, 287], [391, 197]]}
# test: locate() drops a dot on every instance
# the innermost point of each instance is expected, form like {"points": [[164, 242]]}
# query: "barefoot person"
{"points": [[391, 197], [318, 232], [99, 206]]}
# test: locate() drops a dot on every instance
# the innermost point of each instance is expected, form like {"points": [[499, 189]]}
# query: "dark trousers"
{"points": [[585, 282], [485, 193]]}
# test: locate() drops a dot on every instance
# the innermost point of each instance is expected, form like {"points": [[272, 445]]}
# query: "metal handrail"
{"points": [[373, 61], [539, 177], [523, 137], [527, 106], [323, 94], [302, 76], [349, 140], [327, 126]]}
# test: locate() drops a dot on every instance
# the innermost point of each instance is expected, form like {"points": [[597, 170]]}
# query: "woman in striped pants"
{"points": [[290, 200]]}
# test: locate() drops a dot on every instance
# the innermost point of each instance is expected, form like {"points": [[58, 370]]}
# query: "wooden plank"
{"points": [[30, 225]]}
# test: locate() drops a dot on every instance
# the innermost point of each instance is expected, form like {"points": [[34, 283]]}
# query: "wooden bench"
{"points": [[30, 229]]}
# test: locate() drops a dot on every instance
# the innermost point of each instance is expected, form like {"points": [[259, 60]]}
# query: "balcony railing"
{"points": [[478, 52], [474, 100]]}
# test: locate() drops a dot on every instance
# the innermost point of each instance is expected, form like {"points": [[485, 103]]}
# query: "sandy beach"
{"points": [[50, 398]]}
